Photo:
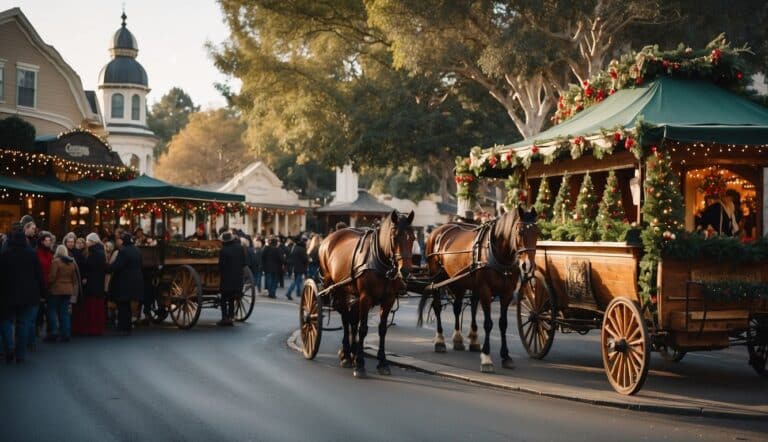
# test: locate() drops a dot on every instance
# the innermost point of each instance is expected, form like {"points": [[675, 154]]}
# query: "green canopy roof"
{"points": [[142, 188], [32, 185], [683, 110]]}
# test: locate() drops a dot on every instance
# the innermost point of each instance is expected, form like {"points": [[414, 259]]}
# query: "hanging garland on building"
{"points": [[15, 162]]}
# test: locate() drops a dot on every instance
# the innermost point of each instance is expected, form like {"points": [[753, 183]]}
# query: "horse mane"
{"points": [[504, 229]]}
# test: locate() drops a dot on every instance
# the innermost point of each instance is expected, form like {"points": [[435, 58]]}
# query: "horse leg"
{"points": [[365, 306], [437, 307], [506, 360], [353, 326], [383, 367], [458, 340], [486, 363], [344, 357], [474, 346]]}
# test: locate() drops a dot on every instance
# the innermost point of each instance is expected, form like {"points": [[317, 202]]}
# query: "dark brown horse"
{"points": [[375, 261], [488, 260]]}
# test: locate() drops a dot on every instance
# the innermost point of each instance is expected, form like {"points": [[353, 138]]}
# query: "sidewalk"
{"points": [[718, 384]]}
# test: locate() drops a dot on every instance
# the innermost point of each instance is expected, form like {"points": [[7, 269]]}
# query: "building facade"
{"points": [[123, 89], [37, 85]]}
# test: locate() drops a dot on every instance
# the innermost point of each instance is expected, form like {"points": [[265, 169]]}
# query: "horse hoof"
{"points": [[507, 363], [458, 346], [439, 347], [487, 368], [359, 373], [346, 363], [474, 348], [384, 371]]}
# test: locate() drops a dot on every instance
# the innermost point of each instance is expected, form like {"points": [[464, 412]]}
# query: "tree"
{"points": [[562, 207], [586, 211], [522, 52], [318, 82], [168, 116], [610, 216], [210, 149], [543, 203], [16, 133]]}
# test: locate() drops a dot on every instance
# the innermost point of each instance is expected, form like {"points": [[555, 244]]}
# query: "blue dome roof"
{"points": [[123, 39], [123, 70]]}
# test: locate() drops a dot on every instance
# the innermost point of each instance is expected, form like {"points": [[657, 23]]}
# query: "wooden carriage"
{"points": [[184, 277], [582, 286]]}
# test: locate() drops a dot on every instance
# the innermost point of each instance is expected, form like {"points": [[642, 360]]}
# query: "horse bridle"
{"points": [[526, 225]]}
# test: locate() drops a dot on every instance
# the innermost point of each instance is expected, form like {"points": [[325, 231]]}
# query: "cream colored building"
{"points": [[37, 85]]}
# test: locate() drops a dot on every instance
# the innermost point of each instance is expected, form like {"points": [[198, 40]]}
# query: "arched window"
{"points": [[135, 107], [117, 105], [135, 162]]}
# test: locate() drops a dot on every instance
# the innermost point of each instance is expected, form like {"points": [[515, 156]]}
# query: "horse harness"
{"points": [[484, 234]]}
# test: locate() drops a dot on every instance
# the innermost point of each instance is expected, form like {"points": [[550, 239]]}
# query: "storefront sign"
{"points": [[76, 150], [83, 147]]}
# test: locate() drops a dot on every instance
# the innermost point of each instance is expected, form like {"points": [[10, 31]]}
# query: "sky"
{"points": [[171, 35]]}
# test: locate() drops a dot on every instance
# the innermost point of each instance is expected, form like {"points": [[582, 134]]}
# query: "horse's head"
{"points": [[396, 240], [525, 235]]}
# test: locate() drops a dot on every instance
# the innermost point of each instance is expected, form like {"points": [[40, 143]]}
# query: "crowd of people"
{"points": [[84, 285], [725, 214]]}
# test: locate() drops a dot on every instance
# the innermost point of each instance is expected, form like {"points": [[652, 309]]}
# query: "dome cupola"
{"points": [[123, 68]]}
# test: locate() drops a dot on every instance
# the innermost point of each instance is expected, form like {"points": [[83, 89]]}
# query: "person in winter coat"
{"points": [[127, 282], [299, 260], [90, 316], [63, 282], [232, 258], [313, 250], [69, 240], [272, 264], [258, 269], [45, 257], [21, 287], [283, 259]]}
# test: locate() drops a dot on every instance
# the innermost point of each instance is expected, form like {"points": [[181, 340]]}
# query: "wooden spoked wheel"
{"points": [[672, 354], [186, 297], [157, 311], [625, 345], [247, 298], [310, 319], [536, 317], [757, 343]]}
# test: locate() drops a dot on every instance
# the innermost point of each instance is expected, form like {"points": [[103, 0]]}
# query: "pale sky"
{"points": [[171, 35]]}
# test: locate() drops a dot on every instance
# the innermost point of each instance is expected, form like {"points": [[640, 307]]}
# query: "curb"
{"points": [[471, 377]]}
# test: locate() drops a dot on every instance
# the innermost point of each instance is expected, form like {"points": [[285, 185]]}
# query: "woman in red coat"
{"points": [[90, 316]]}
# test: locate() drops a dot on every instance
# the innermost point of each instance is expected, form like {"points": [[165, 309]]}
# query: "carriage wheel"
{"points": [[157, 311], [672, 354], [625, 346], [536, 317], [247, 298], [186, 296], [757, 343], [310, 319]]}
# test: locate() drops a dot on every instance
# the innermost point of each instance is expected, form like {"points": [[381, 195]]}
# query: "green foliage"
{"points": [[305, 176], [663, 210], [563, 205], [583, 226], [16, 133], [169, 116], [403, 182], [543, 202], [690, 247], [611, 223]]}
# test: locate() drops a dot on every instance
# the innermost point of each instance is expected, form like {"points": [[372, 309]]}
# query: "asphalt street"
{"points": [[244, 383]]}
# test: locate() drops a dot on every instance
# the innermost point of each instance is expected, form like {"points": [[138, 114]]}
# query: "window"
{"points": [[117, 106], [26, 86], [135, 107], [2, 82]]}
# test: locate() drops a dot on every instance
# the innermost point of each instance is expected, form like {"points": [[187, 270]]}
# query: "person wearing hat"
{"points": [[127, 282], [199, 234], [91, 306], [21, 287], [232, 261]]}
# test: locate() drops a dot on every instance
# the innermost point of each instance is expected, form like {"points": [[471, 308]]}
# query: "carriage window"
{"points": [[117, 106], [702, 185]]}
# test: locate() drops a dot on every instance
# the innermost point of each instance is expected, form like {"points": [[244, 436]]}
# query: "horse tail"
{"points": [[425, 298]]}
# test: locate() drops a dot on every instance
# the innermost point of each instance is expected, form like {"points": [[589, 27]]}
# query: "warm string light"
{"points": [[178, 207], [15, 162]]}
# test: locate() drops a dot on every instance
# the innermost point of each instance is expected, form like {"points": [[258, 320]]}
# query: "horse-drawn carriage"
{"points": [[665, 289], [184, 279]]}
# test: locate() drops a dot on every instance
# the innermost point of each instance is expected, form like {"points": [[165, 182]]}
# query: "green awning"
{"points": [[682, 110], [33, 185], [143, 188]]}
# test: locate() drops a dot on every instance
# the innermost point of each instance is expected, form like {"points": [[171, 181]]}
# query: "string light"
{"points": [[15, 162]]}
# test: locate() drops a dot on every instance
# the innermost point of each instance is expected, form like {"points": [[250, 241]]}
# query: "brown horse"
{"points": [[488, 260], [369, 267]]}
